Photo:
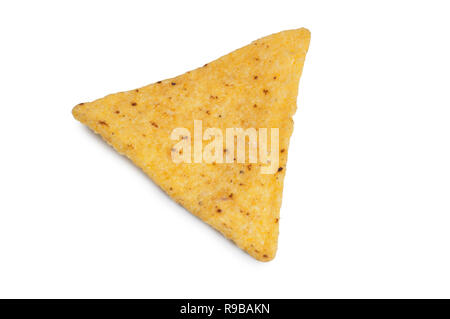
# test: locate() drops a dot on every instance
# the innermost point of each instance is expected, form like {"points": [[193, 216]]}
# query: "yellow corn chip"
{"points": [[252, 87]]}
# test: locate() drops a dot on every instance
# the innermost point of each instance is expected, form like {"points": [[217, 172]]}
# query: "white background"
{"points": [[366, 206]]}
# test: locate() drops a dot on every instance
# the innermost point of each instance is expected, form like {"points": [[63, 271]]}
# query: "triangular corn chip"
{"points": [[252, 87]]}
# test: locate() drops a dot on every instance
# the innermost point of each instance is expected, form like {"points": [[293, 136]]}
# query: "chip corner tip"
{"points": [[76, 110], [264, 258], [305, 33], [263, 254]]}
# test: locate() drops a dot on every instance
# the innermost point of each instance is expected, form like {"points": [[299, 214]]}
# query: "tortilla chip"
{"points": [[252, 87]]}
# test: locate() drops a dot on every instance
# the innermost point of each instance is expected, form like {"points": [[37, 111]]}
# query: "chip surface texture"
{"points": [[253, 87]]}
